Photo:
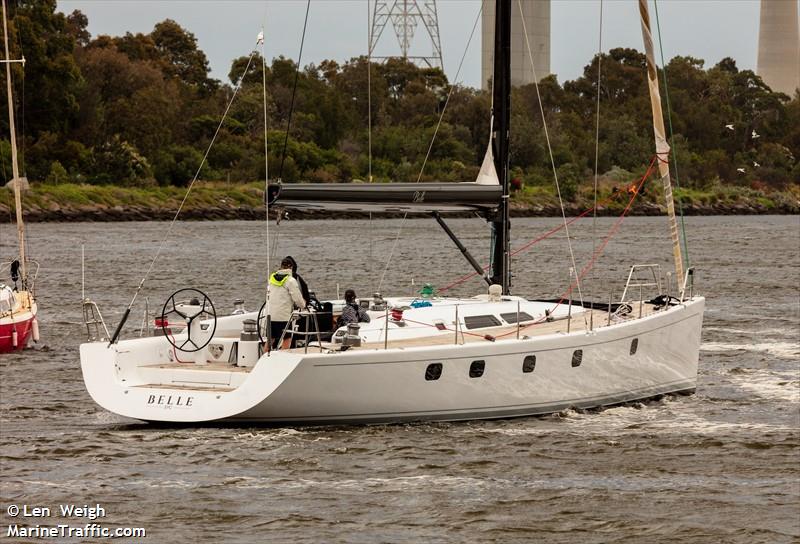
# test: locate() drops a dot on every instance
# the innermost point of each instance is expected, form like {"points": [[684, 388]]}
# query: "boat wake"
{"points": [[787, 350]]}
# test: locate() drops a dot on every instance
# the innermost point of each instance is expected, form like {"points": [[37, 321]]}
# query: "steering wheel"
{"points": [[261, 322], [193, 297]]}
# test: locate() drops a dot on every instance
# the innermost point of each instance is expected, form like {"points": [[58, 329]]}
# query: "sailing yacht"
{"points": [[494, 355], [18, 308]]}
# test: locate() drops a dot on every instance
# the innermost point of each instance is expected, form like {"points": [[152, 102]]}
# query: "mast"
{"points": [[662, 147], [14, 166], [501, 90]]}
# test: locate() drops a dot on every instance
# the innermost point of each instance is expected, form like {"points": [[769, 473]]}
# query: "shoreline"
{"points": [[69, 203], [109, 214]]}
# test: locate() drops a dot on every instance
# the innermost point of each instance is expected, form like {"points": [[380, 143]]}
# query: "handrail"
{"points": [[655, 270], [93, 320]]}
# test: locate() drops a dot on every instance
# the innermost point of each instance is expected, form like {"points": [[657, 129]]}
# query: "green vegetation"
{"points": [[138, 111], [218, 200]]}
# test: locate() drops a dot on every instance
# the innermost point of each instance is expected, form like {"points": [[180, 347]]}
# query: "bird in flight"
{"points": [[729, 127], [740, 170]]}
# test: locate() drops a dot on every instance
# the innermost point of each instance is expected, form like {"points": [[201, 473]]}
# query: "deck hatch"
{"points": [[433, 372], [512, 317], [529, 363], [481, 321], [476, 369]]}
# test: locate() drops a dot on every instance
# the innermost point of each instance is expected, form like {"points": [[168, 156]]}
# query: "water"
{"points": [[720, 466]]}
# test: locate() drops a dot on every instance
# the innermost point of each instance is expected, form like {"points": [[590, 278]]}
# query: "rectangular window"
{"points": [[481, 321], [512, 317]]}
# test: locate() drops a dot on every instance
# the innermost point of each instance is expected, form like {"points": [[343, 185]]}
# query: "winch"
{"points": [[249, 350]]}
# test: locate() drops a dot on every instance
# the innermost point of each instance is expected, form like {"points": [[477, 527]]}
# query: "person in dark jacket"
{"points": [[352, 312], [303, 285]]}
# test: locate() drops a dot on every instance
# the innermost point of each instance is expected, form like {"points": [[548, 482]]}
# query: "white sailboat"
{"points": [[18, 307], [495, 355]]}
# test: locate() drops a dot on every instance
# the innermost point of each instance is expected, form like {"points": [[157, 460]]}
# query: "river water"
{"points": [[722, 465]]}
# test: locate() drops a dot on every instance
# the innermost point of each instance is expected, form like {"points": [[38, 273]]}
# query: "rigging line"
{"points": [[597, 140], [23, 123], [449, 94], [369, 97], [369, 131], [612, 231], [433, 138], [586, 268], [21, 118], [518, 250], [536, 240], [276, 240], [191, 184], [294, 91], [672, 137], [262, 39], [549, 147]]}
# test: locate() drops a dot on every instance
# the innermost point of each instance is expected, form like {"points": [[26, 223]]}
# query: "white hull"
{"points": [[389, 385]]}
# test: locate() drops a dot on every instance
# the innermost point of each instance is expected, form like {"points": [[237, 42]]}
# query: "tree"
{"points": [[51, 78], [178, 48]]}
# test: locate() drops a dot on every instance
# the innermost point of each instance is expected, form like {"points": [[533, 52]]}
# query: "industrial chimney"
{"points": [[537, 23], [779, 46]]}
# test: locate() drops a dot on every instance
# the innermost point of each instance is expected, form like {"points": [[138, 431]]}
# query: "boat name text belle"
{"points": [[170, 400]]}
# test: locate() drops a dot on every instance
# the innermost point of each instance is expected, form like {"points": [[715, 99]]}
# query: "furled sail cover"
{"points": [[386, 197], [488, 173]]}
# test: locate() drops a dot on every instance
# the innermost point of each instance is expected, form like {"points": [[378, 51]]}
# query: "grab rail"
{"points": [[655, 270], [93, 320]]}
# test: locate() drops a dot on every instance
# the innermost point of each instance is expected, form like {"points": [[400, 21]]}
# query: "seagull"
{"points": [[756, 164], [729, 127], [740, 170], [755, 134]]}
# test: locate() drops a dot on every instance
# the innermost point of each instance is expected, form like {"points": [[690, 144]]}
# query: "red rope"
{"points": [[612, 231], [554, 230], [584, 271], [462, 331]]}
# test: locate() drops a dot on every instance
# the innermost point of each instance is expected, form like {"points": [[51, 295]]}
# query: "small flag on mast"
{"points": [[260, 39]]}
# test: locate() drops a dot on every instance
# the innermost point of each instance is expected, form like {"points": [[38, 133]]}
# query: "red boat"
{"points": [[17, 305], [18, 324]]}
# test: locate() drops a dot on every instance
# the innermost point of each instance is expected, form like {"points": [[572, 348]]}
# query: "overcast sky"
{"points": [[227, 29]]}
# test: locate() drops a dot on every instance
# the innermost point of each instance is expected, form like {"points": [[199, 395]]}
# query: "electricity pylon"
{"points": [[405, 16]]}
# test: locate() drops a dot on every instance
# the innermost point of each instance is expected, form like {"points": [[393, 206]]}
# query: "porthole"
{"points": [[634, 346], [433, 372], [577, 357], [529, 363], [476, 369]]}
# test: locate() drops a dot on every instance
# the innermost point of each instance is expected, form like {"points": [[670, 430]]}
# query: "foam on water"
{"points": [[788, 350], [769, 385]]}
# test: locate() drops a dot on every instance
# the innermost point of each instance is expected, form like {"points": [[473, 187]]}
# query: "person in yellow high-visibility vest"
{"points": [[284, 296]]}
